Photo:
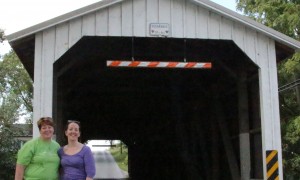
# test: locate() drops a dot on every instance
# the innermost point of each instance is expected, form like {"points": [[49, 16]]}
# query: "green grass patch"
{"points": [[121, 157]]}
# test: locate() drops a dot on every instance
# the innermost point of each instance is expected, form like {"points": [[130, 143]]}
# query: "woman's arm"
{"points": [[19, 172], [89, 163]]}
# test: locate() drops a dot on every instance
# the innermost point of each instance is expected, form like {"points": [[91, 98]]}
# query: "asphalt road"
{"points": [[106, 166]]}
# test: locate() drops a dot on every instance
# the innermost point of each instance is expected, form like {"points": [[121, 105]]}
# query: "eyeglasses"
{"points": [[73, 121]]}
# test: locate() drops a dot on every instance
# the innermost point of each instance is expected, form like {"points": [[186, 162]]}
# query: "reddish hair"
{"points": [[45, 121]]}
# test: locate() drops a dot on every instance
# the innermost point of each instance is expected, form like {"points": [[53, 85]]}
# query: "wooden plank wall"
{"points": [[186, 20]]}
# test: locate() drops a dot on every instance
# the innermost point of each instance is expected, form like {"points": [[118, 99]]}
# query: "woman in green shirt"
{"points": [[38, 158]]}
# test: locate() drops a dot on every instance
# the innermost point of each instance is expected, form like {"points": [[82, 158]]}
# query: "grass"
{"points": [[120, 158]]}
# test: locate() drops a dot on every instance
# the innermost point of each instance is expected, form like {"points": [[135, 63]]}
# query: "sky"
{"points": [[16, 15]]}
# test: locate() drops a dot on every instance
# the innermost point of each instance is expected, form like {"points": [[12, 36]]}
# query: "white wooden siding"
{"points": [[270, 122], [275, 119], [186, 20], [102, 23], [115, 20], [261, 57], [226, 28], [89, 25], [74, 31], [164, 13], [153, 17], [139, 17], [190, 20], [48, 58], [238, 35], [250, 44], [43, 75], [177, 25], [37, 82], [214, 21], [127, 24], [61, 39], [202, 23]]}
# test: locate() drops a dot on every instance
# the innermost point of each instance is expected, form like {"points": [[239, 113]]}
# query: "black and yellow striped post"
{"points": [[272, 165]]}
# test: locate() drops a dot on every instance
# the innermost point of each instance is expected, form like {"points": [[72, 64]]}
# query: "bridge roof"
{"points": [[279, 37]]}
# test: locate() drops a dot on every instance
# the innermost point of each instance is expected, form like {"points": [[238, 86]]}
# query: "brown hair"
{"points": [[76, 122], [45, 121]]}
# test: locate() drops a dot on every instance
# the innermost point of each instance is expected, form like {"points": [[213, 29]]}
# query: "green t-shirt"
{"points": [[40, 158]]}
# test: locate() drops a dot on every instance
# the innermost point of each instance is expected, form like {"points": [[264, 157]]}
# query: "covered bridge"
{"points": [[178, 123]]}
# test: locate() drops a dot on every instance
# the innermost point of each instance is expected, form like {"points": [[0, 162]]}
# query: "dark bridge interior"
{"points": [[177, 123]]}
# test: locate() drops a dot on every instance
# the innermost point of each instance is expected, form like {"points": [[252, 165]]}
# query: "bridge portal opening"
{"points": [[111, 158], [177, 123]]}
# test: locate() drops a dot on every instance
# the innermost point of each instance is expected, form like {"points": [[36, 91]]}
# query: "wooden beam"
{"points": [[231, 157], [245, 160]]}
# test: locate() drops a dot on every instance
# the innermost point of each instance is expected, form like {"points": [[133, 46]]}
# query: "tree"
{"points": [[2, 37], [15, 89], [8, 150], [283, 16], [15, 101], [290, 148]]}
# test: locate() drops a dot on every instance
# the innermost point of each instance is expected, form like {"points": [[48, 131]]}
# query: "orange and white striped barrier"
{"points": [[158, 64]]}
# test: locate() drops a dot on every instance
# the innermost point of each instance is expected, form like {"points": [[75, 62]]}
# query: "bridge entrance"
{"points": [[177, 123]]}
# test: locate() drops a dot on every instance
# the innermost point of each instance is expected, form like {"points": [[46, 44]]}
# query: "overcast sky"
{"points": [[16, 15]]}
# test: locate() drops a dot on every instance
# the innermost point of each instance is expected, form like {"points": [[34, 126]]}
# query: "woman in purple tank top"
{"points": [[76, 159]]}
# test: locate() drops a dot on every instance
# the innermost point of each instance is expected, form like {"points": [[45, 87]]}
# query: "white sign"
{"points": [[159, 29]]}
